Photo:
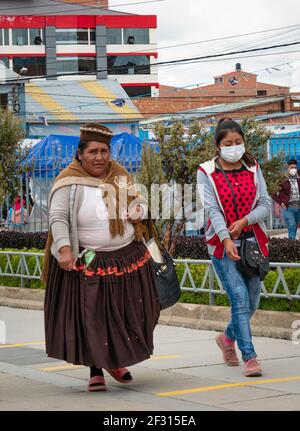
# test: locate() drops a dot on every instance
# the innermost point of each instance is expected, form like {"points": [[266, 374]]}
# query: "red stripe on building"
{"points": [[79, 21], [22, 21], [130, 21], [71, 21]]}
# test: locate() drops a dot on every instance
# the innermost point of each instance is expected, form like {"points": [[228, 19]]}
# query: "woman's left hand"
{"points": [[135, 214], [237, 227]]}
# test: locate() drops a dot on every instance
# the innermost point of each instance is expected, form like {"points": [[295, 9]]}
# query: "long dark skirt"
{"points": [[106, 319]]}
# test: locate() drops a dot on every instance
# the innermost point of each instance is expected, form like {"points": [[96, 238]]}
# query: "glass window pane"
{"points": [[82, 36], [36, 65], [87, 64], [19, 36], [114, 36], [138, 91], [75, 64], [93, 36], [72, 36], [6, 37], [128, 65], [136, 36], [36, 36], [69, 64], [66, 36]]}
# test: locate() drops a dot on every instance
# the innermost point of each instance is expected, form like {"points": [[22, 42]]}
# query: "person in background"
{"points": [[224, 229], [288, 198], [18, 214]]}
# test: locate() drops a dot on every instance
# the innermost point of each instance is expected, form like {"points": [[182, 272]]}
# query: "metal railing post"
{"points": [[211, 278]]}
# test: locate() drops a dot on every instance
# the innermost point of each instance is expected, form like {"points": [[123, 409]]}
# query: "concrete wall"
{"points": [[50, 44], [101, 53]]}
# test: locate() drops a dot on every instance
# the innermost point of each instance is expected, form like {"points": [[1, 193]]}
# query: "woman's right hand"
{"points": [[231, 249], [66, 260]]}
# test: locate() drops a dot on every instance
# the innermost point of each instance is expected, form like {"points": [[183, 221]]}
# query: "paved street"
{"points": [[185, 373]]}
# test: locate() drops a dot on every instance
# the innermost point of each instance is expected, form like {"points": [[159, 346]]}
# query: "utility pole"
{"points": [[14, 91]]}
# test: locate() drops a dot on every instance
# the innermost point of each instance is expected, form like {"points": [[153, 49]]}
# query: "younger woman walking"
{"points": [[225, 228]]}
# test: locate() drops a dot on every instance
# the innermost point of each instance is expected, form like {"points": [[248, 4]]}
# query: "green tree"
{"points": [[11, 133], [181, 152], [256, 139]]}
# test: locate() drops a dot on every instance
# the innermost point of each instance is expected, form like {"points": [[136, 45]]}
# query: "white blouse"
{"points": [[93, 224]]}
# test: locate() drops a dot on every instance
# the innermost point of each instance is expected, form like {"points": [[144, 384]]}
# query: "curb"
{"points": [[265, 323]]}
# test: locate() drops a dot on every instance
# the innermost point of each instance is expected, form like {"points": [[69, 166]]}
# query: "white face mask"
{"points": [[293, 172], [233, 154]]}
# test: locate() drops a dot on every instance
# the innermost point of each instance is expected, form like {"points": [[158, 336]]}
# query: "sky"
{"points": [[189, 21]]}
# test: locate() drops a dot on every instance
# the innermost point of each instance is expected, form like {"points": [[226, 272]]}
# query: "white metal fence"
{"points": [[28, 266]]}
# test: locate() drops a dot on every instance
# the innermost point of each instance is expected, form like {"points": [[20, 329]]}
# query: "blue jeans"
{"points": [[292, 218], [244, 296]]}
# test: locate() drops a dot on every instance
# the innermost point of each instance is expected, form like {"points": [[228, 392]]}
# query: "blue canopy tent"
{"points": [[53, 153]]}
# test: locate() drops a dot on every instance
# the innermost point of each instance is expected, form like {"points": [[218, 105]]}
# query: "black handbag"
{"points": [[252, 263], [166, 281]]}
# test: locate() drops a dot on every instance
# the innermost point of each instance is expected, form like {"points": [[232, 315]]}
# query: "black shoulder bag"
{"points": [[252, 263], [166, 281]]}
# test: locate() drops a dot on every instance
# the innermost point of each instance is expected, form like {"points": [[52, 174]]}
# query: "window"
{"points": [[219, 80], [261, 92], [4, 40], [138, 91], [232, 92], [36, 36], [114, 36], [75, 36], [128, 65], [3, 100], [136, 36], [296, 104], [75, 64], [92, 36], [36, 65], [20, 36]]}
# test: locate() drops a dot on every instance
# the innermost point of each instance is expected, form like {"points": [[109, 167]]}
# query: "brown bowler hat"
{"points": [[95, 132]]}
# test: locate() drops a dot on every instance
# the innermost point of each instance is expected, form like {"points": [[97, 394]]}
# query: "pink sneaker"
{"points": [[252, 368], [228, 350]]}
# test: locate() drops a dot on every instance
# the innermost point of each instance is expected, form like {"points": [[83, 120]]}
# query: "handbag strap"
{"points": [[231, 188]]}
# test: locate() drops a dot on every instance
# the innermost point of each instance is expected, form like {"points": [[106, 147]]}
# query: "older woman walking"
{"points": [[101, 304]]}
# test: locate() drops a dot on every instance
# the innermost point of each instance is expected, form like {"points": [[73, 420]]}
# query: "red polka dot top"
{"points": [[244, 188]]}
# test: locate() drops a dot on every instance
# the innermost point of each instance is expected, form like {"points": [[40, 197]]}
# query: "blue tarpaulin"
{"points": [[55, 152]]}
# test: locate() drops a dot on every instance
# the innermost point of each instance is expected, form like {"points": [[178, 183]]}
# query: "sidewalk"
{"points": [[186, 372]]}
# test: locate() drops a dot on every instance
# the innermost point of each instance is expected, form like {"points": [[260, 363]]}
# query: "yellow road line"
{"points": [[155, 358], [228, 385], [62, 367], [6, 346]]}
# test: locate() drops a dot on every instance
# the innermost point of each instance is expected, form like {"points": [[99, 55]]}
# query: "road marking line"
{"points": [[62, 367], [6, 346], [154, 358], [227, 385]]}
